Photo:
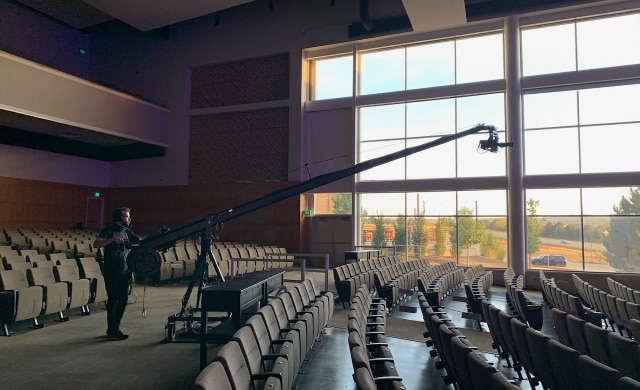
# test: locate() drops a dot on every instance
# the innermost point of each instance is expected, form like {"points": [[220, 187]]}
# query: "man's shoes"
{"points": [[117, 336]]}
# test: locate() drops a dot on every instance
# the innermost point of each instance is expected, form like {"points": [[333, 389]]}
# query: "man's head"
{"points": [[122, 216]]}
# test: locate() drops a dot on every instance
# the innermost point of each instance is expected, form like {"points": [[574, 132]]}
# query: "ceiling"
{"points": [[144, 15], [147, 15]]}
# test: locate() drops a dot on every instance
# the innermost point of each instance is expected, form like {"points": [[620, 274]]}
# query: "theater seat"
{"points": [[18, 300], [79, 289], [55, 294]]}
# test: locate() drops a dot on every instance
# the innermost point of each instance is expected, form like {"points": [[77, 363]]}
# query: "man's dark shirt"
{"points": [[115, 255]]}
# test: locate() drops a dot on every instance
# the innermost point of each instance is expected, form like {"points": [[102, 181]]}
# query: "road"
{"points": [[556, 242]]}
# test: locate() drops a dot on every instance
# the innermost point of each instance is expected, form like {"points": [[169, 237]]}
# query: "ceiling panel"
{"points": [[147, 15]]}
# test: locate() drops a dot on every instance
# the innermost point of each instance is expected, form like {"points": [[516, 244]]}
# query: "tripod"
{"points": [[200, 276]]}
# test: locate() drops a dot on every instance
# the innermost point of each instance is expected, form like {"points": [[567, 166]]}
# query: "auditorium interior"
{"points": [[331, 194]]}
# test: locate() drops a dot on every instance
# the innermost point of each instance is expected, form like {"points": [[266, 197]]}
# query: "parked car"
{"points": [[557, 260], [565, 242]]}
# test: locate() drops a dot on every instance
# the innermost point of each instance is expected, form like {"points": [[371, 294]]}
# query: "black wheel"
{"points": [[171, 331]]}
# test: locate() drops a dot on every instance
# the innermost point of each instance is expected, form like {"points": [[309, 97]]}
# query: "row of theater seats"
{"points": [[179, 262], [556, 297], [50, 285], [615, 311], [477, 283], [548, 362], [371, 358], [522, 305], [622, 291], [73, 242], [269, 350], [439, 280], [603, 345], [349, 277], [398, 281], [465, 367]]}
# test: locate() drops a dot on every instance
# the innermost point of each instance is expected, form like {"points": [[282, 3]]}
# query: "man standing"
{"points": [[116, 240]]}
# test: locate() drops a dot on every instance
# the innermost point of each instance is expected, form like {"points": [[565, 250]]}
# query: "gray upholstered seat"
{"points": [[564, 363], [625, 356], [593, 375]]}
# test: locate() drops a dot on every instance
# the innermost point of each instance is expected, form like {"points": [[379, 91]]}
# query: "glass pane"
{"points": [[382, 71], [431, 203], [622, 243], [377, 231], [479, 59], [601, 201], [475, 243], [382, 122], [549, 152], [564, 201], [472, 110], [609, 105], [333, 78], [552, 109], [431, 65], [558, 245], [393, 170], [487, 203], [537, 52], [384, 204], [608, 42], [472, 163], [432, 117], [332, 203], [437, 162], [487, 109], [610, 148], [596, 229]]}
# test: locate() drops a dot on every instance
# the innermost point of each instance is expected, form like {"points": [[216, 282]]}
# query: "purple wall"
{"points": [[37, 38]]}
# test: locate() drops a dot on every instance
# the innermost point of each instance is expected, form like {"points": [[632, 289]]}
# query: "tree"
{"points": [[379, 235], [419, 239], [442, 227], [533, 227], [468, 231], [341, 203], [491, 247], [623, 241], [400, 232]]}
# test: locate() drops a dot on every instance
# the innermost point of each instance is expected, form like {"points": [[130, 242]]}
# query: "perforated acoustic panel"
{"points": [[241, 82], [245, 146]]}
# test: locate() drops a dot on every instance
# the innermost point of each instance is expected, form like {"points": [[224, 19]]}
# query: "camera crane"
{"points": [[144, 257]]}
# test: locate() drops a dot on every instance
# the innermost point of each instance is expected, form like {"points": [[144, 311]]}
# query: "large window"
{"points": [[590, 229], [463, 60], [589, 44], [466, 226], [578, 123], [389, 128], [582, 131]]}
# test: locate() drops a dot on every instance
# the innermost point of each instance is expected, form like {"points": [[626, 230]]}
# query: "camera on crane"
{"points": [[493, 143]]}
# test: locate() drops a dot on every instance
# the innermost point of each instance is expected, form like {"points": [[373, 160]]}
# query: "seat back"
{"points": [[13, 280], [481, 371], [577, 335], [537, 343], [593, 375], [213, 377], [624, 355], [559, 319], [597, 341], [627, 383], [564, 363]]}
